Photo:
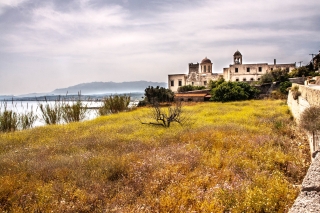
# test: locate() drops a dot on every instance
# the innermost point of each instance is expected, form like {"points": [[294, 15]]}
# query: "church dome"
{"points": [[205, 61], [237, 53]]}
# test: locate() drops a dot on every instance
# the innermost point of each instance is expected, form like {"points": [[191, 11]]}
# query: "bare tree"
{"points": [[164, 117]]}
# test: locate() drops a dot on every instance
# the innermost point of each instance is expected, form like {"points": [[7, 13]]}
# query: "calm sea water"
{"points": [[28, 106]]}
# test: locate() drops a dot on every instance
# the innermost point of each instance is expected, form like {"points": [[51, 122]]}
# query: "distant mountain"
{"points": [[108, 87]]}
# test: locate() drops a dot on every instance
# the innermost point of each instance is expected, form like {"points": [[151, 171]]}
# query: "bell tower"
{"points": [[237, 57]]}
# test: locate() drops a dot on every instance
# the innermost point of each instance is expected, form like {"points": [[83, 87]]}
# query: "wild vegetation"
{"points": [[238, 157], [114, 104], [190, 88], [157, 95], [305, 71], [231, 91], [165, 116], [57, 112], [12, 121], [310, 121]]}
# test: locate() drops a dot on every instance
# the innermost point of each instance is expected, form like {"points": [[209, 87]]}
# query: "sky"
{"points": [[50, 44]]}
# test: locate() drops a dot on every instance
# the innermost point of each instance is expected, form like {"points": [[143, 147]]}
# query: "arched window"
{"points": [[204, 68]]}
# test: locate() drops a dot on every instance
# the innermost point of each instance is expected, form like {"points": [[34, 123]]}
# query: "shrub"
{"points": [[214, 84], [299, 72], [158, 94], [9, 120], [310, 121], [51, 113], [27, 120], [74, 112], [190, 88], [295, 92], [280, 75], [114, 104], [284, 86], [266, 78], [162, 117], [277, 94], [233, 91], [275, 75]]}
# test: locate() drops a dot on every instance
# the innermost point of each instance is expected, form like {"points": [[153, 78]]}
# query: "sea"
{"points": [[22, 107]]}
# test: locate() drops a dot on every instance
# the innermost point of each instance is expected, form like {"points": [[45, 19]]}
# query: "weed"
{"points": [[51, 112], [114, 104]]}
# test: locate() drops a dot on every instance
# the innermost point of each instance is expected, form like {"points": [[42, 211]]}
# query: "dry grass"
{"points": [[239, 156]]}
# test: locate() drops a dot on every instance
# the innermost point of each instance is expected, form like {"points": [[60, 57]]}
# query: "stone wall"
{"points": [[309, 197]]}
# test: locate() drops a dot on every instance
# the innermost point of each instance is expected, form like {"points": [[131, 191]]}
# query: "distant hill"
{"points": [[108, 87]]}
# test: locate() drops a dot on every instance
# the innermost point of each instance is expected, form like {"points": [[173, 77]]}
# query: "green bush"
{"points": [[27, 120], [9, 121], [284, 87], [275, 75], [214, 84], [114, 104], [300, 71], [51, 113], [190, 88], [266, 78], [158, 94], [74, 112], [233, 91]]}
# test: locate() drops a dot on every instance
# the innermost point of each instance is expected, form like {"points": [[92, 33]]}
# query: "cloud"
{"points": [[5, 4], [88, 40]]}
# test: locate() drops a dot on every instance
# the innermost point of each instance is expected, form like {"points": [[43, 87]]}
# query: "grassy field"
{"points": [[240, 157]]}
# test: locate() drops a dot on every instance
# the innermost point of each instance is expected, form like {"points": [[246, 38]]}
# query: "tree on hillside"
{"points": [[299, 72], [158, 94], [214, 84], [233, 91], [275, 75], [163, 116]]}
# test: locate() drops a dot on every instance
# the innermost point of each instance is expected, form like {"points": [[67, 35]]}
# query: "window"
{"points": [[180, 83], [237, 79], [205, 83], [271, 69], [244, 79], [192, 83], [260, 69], [204, 68], [236, 69], [172, 83], [258, 79], [251, 79], [248, 69]]}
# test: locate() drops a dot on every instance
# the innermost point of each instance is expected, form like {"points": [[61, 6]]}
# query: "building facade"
{"points": [[251, 72], [201, 73], [198, 75]]}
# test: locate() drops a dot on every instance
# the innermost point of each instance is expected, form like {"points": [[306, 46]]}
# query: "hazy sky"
{"points": [[49, 44]]}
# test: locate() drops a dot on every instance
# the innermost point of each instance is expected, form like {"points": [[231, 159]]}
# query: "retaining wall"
{"points": [[309, 197]]}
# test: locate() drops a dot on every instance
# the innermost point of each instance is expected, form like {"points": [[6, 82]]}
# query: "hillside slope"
{"points": [[108, 87], [238, 157]]}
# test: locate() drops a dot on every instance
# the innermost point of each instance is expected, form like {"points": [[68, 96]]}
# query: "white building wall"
{"points": [[173, 81]]}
